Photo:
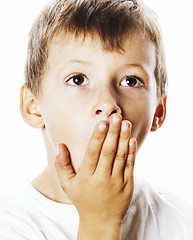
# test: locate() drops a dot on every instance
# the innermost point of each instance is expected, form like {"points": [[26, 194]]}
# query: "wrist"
{"points": [[91, 230]]}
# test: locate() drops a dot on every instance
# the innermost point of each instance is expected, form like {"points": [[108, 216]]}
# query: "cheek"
{"points": [[62, 122], [69, 124], [140, 113]]}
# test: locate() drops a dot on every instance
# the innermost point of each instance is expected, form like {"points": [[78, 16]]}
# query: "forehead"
{"points": [[135, 50]]}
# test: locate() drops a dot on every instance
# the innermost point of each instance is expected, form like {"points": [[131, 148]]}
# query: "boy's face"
{"points": [[84, 84]]}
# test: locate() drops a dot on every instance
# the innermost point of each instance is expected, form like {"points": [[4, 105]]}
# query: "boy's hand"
{"points": [[102, 188]]}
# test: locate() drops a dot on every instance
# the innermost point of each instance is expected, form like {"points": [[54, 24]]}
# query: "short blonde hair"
{"points": [[111, 20]]}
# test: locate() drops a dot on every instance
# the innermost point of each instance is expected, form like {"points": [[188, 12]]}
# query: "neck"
{"points": [[49, 186], [47, 182]]}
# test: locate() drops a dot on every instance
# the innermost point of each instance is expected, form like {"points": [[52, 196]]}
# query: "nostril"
{"points": [[113, 112], [98, 112]]}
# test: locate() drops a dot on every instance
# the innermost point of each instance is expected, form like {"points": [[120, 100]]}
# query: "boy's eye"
{"points": [[131, 81], [78, 80]]}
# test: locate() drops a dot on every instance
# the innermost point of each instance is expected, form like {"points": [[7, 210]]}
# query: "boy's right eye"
{"points": [[77, 80]]}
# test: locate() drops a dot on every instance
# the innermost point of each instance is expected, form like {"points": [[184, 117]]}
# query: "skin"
{"points": [[104, 182], [93, 166]]}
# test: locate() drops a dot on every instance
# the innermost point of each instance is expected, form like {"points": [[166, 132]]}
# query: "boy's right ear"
{"points": [[30, 108]]}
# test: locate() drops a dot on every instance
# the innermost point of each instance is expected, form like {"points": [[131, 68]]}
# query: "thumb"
{"points": [[64, 166]]}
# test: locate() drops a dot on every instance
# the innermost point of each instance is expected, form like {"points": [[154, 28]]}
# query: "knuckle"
{"points": [[92, 153], [83, 180], [124, 136], [130, 164], [121, 156], [108, 153], [131, 156], [100, 183], [132, 152]]}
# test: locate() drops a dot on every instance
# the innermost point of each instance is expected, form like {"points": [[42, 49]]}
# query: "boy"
{"points": [[95, 85]]}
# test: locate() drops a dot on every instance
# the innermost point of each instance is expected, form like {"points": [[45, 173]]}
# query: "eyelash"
{"points": [[140, 81], [75, 76]]}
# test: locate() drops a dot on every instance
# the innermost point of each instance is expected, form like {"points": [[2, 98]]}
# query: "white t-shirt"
{"points": [[152, 215]]}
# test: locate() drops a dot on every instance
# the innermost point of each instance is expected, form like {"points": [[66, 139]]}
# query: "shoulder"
{"points": [[163, 211], [16, 202], [161, 202], [27, 214], [16, 222]]}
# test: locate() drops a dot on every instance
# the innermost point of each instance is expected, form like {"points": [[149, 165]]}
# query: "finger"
{"points": [[123, 150], [93, 151], [64, 166], [110, 145], [129, 166]]}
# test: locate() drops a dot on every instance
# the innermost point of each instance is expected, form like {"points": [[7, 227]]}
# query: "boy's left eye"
{"points": [[131, 81], [77, 80]]}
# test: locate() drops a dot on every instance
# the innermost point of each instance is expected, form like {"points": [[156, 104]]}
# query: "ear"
{"points": [[160, 114], [30, 109]]}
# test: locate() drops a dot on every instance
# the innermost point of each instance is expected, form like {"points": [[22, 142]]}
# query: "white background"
{"points": [[166, 159]]}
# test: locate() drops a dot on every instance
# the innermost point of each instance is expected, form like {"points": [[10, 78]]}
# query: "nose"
{"points": [[105, 106]]}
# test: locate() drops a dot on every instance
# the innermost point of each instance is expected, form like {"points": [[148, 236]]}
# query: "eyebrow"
{"points": [[83, 62], [136, 65], [71, 61]]}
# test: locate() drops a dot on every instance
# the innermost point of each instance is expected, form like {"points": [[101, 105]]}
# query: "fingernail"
{"points": [[132, 142], [102, 126], [116, 119], [124, 126]]}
